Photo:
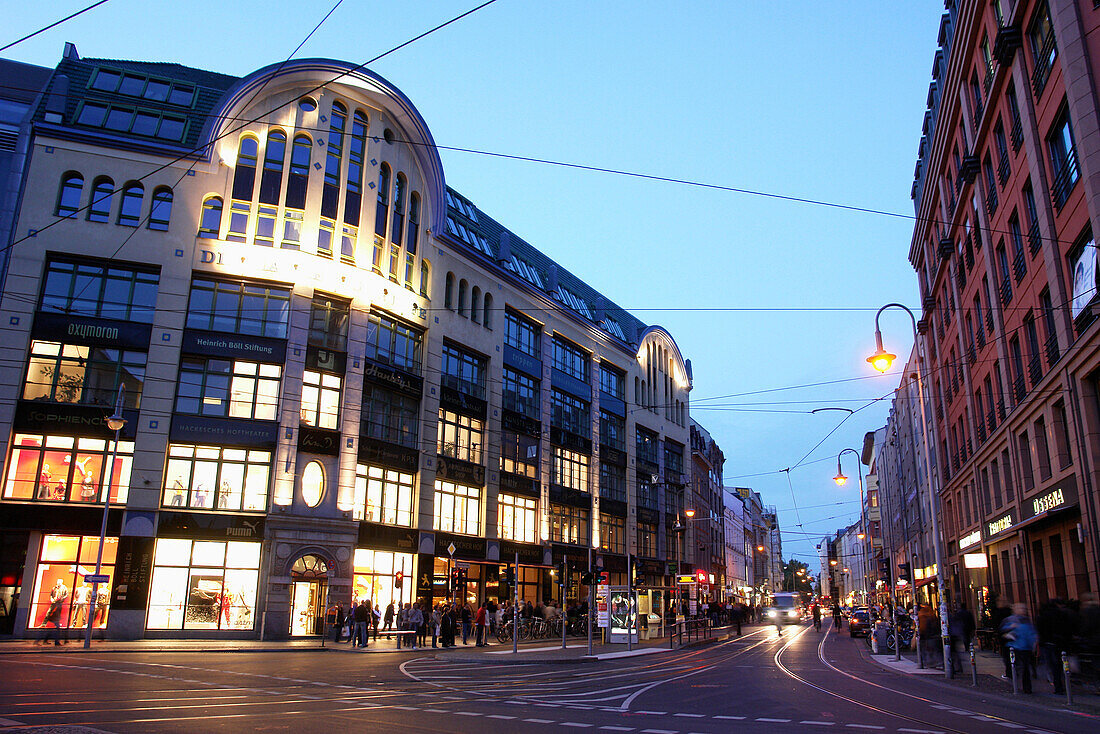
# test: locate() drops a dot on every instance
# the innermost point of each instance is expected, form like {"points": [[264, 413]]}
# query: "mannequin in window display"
{"points": [[101, 602], [177, 494], [81, 596], [59, 490], [225, 496], [87, 484], [44, 479], [58, 594], [200, 496]]}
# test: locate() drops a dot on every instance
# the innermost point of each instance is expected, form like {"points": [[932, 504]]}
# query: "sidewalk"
{"points": [[543, 650], [991, 680]]}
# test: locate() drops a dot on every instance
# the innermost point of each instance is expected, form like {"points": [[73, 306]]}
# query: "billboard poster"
{"points": [[603, 612], [623, 610]]}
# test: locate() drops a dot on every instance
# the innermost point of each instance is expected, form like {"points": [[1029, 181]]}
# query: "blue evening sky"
{"points": [[819, 101]]}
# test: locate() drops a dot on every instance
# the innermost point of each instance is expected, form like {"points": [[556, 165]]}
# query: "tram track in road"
{"points": [[987, 718]]}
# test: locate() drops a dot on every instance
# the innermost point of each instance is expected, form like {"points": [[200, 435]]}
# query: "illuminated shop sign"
{"points": [[1001, 524], [968, 540], [1039, 505], [975, 560], [1061, 497]]}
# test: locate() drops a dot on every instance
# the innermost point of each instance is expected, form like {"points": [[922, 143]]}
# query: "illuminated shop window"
{"points": [[460, 436], [457, 508], [374, 576], [517, 518], [61, 594], [383, 495], [321, 399], [210, 477], [66, 469], [228, 388], [612, 533], [313, 484], [72, 373], [204, 585], [568, 524], [569, 469]]}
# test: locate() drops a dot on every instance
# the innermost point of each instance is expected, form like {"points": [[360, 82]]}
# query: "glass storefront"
{"points": [[206, 585], [374, 577], [66, 469], [60, 591]]}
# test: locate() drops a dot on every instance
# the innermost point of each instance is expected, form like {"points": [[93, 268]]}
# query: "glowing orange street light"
{"points": [[759, 549], [881, 359], [689, 513]]}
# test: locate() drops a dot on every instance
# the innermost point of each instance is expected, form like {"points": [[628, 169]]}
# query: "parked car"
{"points": [[859, 623]]}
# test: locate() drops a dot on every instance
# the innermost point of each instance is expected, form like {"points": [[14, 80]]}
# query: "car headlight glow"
{"points": [[792, 613], [771, 613]]}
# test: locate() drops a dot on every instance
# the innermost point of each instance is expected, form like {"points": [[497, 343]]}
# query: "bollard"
{"points": [[973, 667], [1065, 672], [1012, 661]]}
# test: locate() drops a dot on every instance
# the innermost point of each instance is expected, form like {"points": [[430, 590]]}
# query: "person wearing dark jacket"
{"points": [[1054, 631], [961, 628]]}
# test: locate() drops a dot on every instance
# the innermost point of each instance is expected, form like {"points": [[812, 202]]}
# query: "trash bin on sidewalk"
{"points": [[878, 639]]}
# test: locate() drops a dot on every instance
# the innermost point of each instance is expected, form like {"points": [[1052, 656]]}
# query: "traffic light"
{"points": [[906, 572], [587, 577], [398, 579], [508, 573], [884, 570]]}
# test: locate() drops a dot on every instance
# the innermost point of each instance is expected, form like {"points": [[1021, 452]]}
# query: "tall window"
{"points": [[353, 196], [612, 482], [464, 371], [645, 444], [647, 539], [337, 122], [211, 477], [67, 469], [100, 208], [1063, 158], [321, 399], [383, 206], [271, 181], [129, 211], [100, 290], [160, 212], [1044, 50], [569, 525], [521, 333], [519, 454], [520, 393], [199, 584], [383, 495], [612, 381], [517, 518], [457, 508], [244, 172], [68, 195], [570, 413], [238, 307], [71, 373], [328, 322], [413, 238], [460, 436], [612, 431], [398, 226], [647, 491], [210, 221], [298, 181], [391, 342], [570, 359], [612, 534], [390, 416], [569, 469], [228, 388]]}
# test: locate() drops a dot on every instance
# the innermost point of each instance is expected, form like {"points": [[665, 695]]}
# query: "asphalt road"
{"points": [[801, 681]]}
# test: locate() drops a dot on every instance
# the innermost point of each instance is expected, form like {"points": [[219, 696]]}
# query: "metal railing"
{"points": [[688, 631]]}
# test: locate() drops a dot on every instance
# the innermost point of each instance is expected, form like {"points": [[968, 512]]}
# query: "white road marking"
{"points": [[691, 716], [500, 716], [467, 713], [921, 731], [617, 728], [731, 718], [774, 721], [539, 721], [659, 731], [818, 723], [1008, 724], [654, 713], [575, 724], [864, 726]]}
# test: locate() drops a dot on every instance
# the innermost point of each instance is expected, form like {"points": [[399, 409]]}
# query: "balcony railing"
{"points": [[991, 421], [1003, 169], [1064, 180], [1001, 408], [971, 357], [989, 320], [1041, 73], [978, 110], [981, 433], [1034, 239], [980, 336], [991, 201], [1016, 135], [1019, 265], [1006, 292], [1052, 349], [1019, 388], [1035, 369]]}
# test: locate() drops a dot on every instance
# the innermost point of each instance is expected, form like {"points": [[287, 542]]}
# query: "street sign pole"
{"points": [[515, 608], [591, 600], [629, 599]]}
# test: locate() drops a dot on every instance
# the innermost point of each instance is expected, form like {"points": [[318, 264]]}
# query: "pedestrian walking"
{"points": [[961, 629], [467, 617], [336, 619], [998, 617], [482, 621], [1021, 637], [416, 623], [402, 622], [388, 619], [436, 622], [1054, 628], [362, 617]]}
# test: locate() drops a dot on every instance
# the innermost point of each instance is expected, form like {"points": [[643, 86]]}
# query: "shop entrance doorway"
{"points": [[309, 582]]}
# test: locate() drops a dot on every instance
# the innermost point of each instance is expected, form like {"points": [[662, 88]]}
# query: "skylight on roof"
{"points": [[525, 271], [613, 328], [572, 301]]}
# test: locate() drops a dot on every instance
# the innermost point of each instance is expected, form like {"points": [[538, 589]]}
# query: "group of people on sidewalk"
{"points": [[412, 623]]}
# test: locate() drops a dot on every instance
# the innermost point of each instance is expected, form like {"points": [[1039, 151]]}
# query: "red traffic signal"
{"points": [[398, 579]]}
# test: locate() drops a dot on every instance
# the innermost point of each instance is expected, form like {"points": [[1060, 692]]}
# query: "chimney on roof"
{"points": [[70, 52], [552, 279], [504, 249]]}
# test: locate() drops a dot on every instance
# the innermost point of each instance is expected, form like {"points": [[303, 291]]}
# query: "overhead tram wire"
{"points": [[200, 150], [52, 25]]}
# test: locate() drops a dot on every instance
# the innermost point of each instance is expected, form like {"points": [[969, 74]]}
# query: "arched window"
{"points": [[449, 292], [425, 276], [462, 297], [487, 314], [274, 158], [398, 227], [357, 149], [68, 195], [298, 180], [244, 173], [414, 224], [210, 223], [475, 304], [100, 208], [313, 484], [129, 212], [160, 213], [383, 201]]}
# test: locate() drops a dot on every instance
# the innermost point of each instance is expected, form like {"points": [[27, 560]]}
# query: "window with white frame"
{"points": [[216, 478], [457, 508], [518, 518], [460, 436], [321, 399], [569, 469], [228, 388], [383, 495]]}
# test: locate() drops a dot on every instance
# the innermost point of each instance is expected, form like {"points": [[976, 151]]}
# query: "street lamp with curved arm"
{"points": [[881, 361], [841, 480]]}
